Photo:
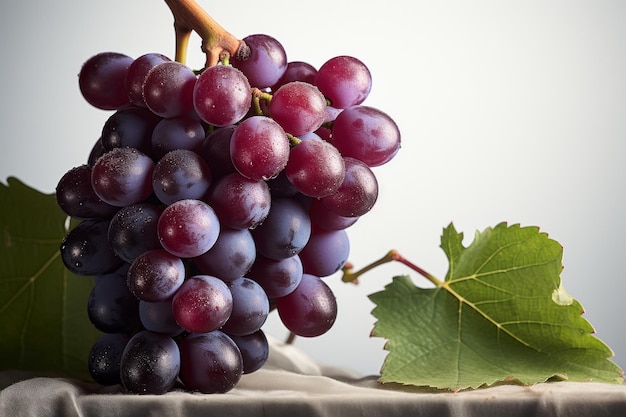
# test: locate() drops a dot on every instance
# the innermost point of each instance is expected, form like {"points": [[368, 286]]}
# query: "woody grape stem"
{"points": [[190, 17]]}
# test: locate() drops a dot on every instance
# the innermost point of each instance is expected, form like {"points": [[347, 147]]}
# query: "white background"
{"points": [[509, 110]]}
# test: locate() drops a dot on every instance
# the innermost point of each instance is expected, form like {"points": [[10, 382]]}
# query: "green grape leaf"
{"points": [[44, 325], [501, 315]]}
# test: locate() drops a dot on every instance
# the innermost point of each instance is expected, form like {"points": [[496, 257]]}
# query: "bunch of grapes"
{"points": [[210, 199]]}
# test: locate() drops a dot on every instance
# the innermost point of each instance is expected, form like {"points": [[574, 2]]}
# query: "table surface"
{"points": [[291, 384]]}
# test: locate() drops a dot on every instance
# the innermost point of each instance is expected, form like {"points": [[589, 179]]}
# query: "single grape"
{"points": [[210, 362], [331, 115], [137, 73], [298, 107], [326, 252], [285, 231], [150, 363], [133, 230], [130, 127], [85, 249], [254, 350], [216, 151], [358, 192], [158, 317], [202, 304], [188, 228], [101, 80], [97, 150], [328, 219], [155, 275], [315, 168], [104, 358], [296, 71], [181, 174], [76, 197], [122, 176], [267, 61], [222, 95], [250, 307], [367, 134], [259, 148], [310, 310], [231, 257], [280, 186], [111, 307], [345, 80], [183, 132], [240, 202], [277, 277], [168, 89]]}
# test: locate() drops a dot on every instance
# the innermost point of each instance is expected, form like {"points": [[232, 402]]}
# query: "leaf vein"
{"points": [[486, 316], [30, 281]]}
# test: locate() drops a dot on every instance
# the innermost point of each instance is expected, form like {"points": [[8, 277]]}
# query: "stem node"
{"points": [[190, 17]]}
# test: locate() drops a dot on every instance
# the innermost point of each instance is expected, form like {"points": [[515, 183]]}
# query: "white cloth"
{"points": [[292, 384]]}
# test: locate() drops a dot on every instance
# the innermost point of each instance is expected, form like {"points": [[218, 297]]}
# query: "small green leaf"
{"points": [[44, 325], [501, 314]]}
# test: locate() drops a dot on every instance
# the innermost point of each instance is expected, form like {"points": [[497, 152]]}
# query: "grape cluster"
{"points": [[210, 199]]}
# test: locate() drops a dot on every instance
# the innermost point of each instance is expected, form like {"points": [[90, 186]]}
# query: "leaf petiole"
{"points": [[393, 255]]}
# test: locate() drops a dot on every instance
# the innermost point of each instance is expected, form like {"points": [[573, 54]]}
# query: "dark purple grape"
{"points": [[210, 362], [130, 127], [181, 174], [285, 231], [222, 95], [150, 363], [326, 252], [76, 197], [102, 80], [231, 257], [133, 230], [328, 219], [168, 89], [137, 73], [183, 132], [155, 275], [310, 310], [85, 249], [267, 61], [158, 317], [277, 277], [216, 151], [280, 186], [105, 356], [259, 148], [254, 350], [202, 304], [123, 176], [296, 71], [250, 307], [298, 107], [188, 228], [97, 150], [240, 202], [367, 134], [315, 168], [111, 307], [358, 192], [345, 80]]}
